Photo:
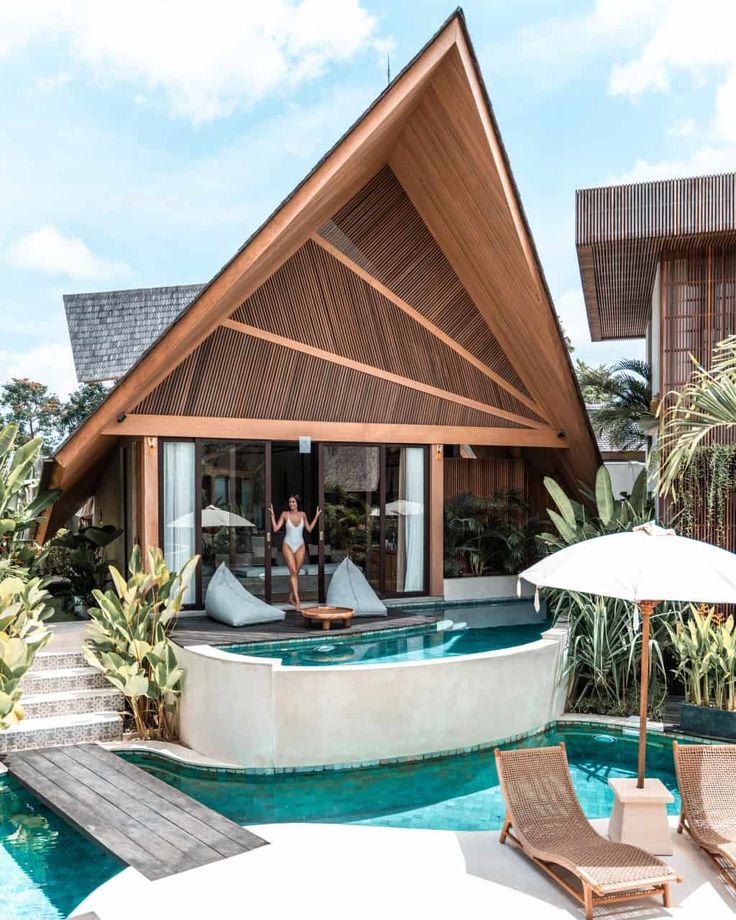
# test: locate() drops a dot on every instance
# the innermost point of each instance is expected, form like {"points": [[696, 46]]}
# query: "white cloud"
{"points": [[207, 60], [55, 81], [50, 363], [48, 250], [704, 161]]}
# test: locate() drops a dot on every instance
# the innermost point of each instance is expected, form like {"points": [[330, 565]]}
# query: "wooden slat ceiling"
{"points": [[622, 231], [380, 229], [247, 377]]}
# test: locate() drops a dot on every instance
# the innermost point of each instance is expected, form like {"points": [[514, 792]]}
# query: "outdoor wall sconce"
{"points": [[438, 451], [151, 445]]}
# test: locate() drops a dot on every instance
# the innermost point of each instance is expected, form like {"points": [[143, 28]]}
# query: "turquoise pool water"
{"points": [[452, 793], [420, 643], [46, 867]]}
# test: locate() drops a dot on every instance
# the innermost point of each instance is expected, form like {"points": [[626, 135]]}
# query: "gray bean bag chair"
{"points": [[228, 602], [350, 588]]}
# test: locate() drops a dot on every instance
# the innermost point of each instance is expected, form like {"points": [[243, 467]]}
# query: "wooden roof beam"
{"points": [[427, 324], [379, 372]]}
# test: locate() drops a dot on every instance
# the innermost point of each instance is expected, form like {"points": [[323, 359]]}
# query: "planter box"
{"points": [[710, 723], [486, 586]]}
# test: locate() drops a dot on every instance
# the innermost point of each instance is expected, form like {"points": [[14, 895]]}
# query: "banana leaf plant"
{"points": [[604, 649], [128, 639], [21, 504], [23, 610]]}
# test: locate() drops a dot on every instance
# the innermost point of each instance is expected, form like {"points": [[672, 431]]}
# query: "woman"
{"points": [[294, 548]]}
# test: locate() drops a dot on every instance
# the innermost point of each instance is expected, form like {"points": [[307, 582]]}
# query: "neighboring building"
{"points": [[624, 466], [658, 262], [390, 313]]}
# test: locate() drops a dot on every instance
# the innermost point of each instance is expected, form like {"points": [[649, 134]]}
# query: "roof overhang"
{"points": [[622, 232], [435, 127]]}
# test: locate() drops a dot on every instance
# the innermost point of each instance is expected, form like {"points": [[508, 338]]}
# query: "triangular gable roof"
{"points": [[435, 127]]}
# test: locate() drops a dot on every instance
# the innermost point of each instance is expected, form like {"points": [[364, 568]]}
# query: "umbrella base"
{"points": [[639, 816]]}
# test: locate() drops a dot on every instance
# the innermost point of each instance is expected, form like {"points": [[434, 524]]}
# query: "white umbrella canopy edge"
{"points": [[212, 516], [648, 563]]}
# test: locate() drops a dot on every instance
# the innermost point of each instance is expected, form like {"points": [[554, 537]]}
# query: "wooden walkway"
{"points": [[204, 631], [141, 820]]}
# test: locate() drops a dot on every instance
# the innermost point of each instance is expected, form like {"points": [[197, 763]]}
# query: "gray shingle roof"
{"points": [[110, 330]]}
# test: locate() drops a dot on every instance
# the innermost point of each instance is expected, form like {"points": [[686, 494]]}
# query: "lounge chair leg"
{"points": [[681, 823], [588, 901], [505, 830], [666, 895]]}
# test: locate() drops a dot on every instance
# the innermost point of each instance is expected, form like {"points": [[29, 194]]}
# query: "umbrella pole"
{"points": [[646, 608]]}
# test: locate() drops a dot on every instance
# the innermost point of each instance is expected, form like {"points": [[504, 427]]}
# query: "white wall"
{"points": [[623, 474], [253, 712]]}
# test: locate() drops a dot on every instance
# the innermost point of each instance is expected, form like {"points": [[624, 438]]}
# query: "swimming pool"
{"points": [[46, 867], [422, 643], [459, 793]]}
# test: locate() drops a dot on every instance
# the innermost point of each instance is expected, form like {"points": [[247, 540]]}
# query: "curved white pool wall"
{"points": [[256, 713]]}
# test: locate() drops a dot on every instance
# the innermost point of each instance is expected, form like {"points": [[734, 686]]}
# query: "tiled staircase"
{"points": [[65, 702]]}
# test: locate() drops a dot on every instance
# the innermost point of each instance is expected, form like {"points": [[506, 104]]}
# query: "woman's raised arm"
{"points": [[276, 525], [310, 527]]}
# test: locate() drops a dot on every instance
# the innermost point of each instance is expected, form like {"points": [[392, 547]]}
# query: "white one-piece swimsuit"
{"points": [[294, 534]]}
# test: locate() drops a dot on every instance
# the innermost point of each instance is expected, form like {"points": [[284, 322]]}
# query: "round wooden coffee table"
{"points": [[327, 616]]}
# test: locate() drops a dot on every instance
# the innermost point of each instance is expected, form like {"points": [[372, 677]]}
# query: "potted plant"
{"points": [[704, 644]]}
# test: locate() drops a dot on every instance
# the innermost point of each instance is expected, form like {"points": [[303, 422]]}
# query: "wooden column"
{"points": [[148, 482], [436, 520]]}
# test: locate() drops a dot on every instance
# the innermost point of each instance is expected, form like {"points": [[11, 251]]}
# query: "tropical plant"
{"points": [[705, 648], [128, 639], [23, 609], [705, 406], [21, 505], [493, 535], [79, 557], [604, 653], [619, 397]]}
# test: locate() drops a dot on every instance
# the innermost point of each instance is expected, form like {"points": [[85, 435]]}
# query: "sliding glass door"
{"points": [[215, 497]]}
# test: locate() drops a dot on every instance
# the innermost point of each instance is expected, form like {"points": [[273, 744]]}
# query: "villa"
{"points": [[383, 346], [388, 321]]}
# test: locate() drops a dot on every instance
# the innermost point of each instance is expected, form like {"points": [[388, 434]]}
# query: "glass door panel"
{"points": [[294, 473], [179, 526], [233, 503], [404, 524], [352, 501]]}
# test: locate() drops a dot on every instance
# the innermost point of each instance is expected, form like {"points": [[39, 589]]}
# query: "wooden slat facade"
{"points": [[233, 375], [622, 231], [490, 476], [380, 229]]}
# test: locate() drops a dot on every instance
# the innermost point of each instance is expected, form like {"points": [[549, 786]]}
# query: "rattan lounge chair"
{"points": [[706, 777], [551, 829]]}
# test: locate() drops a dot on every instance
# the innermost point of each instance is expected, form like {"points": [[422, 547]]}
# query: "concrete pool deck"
{"points": [[332, 872]]}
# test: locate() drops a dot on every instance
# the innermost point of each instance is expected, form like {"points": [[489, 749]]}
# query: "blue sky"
{"points": [[143, 141]]}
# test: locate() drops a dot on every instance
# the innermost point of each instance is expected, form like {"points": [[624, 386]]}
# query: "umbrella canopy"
{"points": [[212, 516], [400, 506], [645, 565]]}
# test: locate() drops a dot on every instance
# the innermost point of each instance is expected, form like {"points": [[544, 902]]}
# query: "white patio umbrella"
{"points": [[401, 506], [646, 565], [212, 516]]}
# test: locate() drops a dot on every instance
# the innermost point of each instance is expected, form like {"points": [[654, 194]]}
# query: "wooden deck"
{"points": [[204, 631], [141, 820]]}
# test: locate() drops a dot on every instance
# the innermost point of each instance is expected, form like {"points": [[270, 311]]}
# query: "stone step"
{"points": [[56, 730], [68, 702], [53, 681], [54, 661]]}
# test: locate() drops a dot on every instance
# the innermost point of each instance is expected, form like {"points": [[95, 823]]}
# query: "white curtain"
{"points": [[411, 518], [179, 510]]}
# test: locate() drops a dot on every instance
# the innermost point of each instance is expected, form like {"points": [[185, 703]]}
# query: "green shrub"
{"points": [[604, 654], [705, 649], [23, 609], [128, 640]]}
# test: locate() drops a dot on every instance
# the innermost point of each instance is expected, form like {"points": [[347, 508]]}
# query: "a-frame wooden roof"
{"points": [[470, 349]]}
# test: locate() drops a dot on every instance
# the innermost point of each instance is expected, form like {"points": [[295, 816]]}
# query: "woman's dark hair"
{"points": [[296, 498]]}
